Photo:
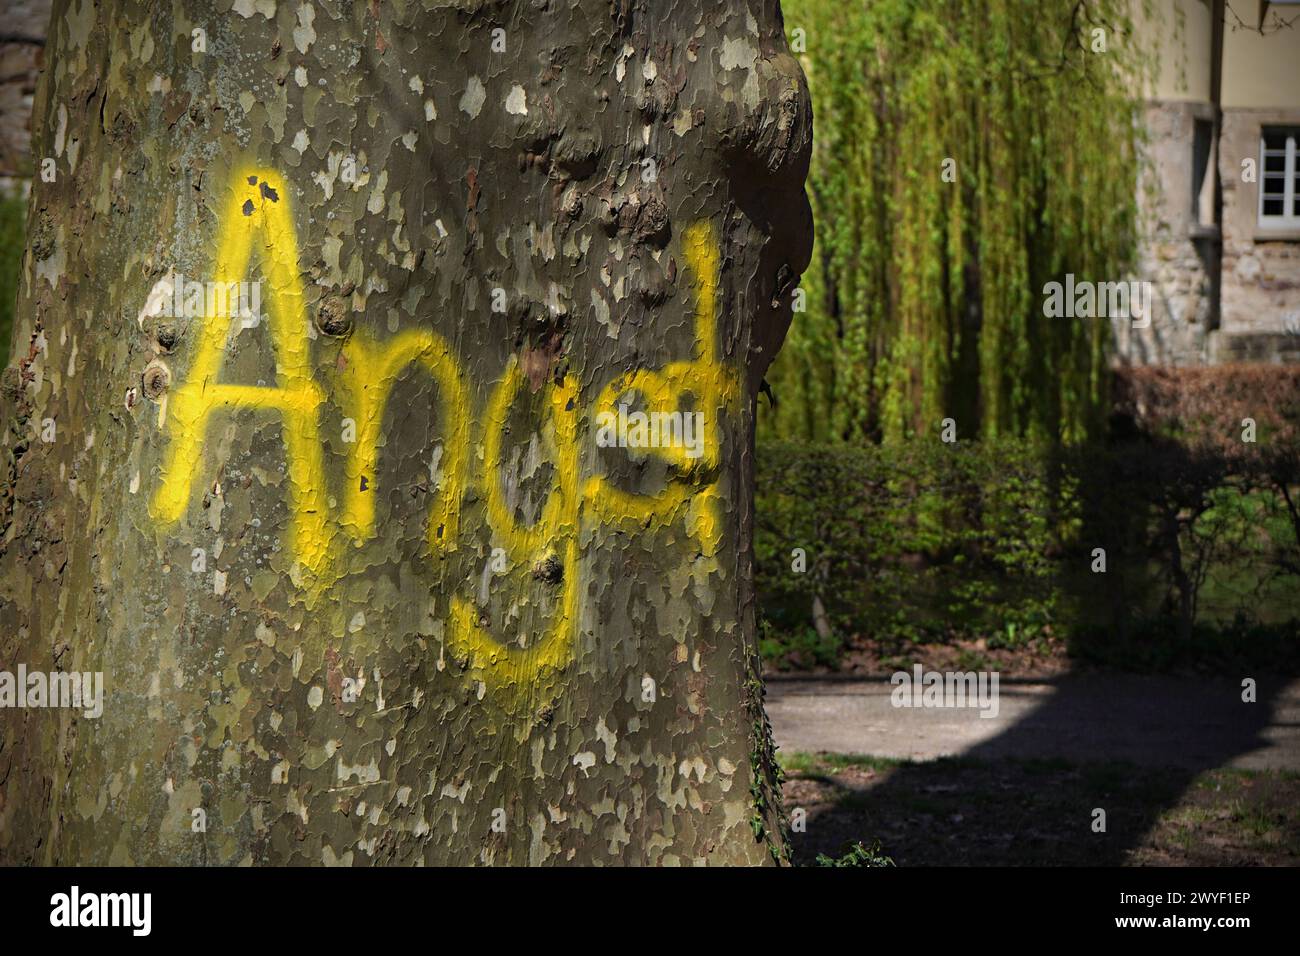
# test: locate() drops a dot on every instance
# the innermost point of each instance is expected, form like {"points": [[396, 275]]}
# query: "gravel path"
{"points": [[1148, 720]]}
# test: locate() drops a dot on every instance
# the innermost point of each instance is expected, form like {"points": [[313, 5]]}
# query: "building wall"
{"points": [[1260, 298], [1178, 258], [1180, 35], [1226, 289], [22, 32], [1261, 70]]}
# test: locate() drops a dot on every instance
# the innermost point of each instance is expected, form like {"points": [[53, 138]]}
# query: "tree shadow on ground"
{"points": [[1028, 795]]}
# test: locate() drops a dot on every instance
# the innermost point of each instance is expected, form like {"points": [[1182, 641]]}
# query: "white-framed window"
{"points": [[1279, 179]]}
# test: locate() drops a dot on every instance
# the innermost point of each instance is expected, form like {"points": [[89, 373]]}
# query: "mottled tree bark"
{"points": [[365, 579]]}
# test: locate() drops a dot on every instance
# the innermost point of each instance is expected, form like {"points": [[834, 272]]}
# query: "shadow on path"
{"points": [[1022, 787]]}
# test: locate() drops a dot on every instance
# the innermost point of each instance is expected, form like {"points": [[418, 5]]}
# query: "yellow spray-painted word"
{"points": [[258, 217]]}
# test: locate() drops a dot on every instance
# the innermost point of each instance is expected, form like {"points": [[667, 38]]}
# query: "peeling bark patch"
{"points": [[517, 101], [304, 35], [471, 101]]}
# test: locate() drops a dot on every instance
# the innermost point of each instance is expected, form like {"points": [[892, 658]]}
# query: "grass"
{"points": [[1014, 812], [822, 763]]}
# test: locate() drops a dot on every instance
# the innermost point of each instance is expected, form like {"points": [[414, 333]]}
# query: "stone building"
{"points": [[22, 45], [1220, 193]]}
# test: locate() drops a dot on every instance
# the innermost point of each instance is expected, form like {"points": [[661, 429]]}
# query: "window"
{"points": [[1279, 184], [1203, 177]]}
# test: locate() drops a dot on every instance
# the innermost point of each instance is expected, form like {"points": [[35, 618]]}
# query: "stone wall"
{"points": [[1260, 298], [1225, 290], [1178, 255]]}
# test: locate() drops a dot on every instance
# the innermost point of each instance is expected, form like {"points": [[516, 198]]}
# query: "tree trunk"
{"points": [[373, 568]]}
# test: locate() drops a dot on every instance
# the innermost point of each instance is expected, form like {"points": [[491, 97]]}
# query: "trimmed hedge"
{"points": [[13, 219], [920, 541]]}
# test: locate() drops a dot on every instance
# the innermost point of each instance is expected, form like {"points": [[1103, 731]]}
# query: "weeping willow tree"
{"points": [[965, 153]]}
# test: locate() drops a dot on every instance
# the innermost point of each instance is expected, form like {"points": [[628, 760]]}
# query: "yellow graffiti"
{"points": [[257, 218], [253, 219], [367, 372], [714, 388], [555, 531]]}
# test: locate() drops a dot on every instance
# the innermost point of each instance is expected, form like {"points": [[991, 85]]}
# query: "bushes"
{"points": [[919, 542], [13, 216], [1203, 408], [916, 541]]}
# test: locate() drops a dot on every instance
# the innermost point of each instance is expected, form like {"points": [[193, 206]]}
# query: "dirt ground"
{"points": [[1185, 770], [1009, 812], [1196, 723]]}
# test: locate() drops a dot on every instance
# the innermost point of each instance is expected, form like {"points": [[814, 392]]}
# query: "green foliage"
{"points": [[801, 647], [857, 855], [924, 297], [920, 542], [913, 541], [13, 219], [765, 772]]}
